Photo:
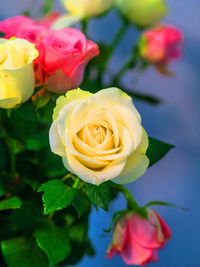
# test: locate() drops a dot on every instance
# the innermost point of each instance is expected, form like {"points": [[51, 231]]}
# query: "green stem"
{"points": [[76, 182], [115, 43], [131, 202], [131, 63], [84, 25], [48, 6], [67, 176]]}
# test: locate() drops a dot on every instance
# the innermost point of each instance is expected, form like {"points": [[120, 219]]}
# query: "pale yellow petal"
{"points": [[135, 167], [19, 83], [71, 95], [90, 176], [137, 163]]}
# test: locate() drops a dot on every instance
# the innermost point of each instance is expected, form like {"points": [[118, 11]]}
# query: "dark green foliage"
{"points": [[80, 243], [23, 252], [54, 241], [80, 202], [50, 164], [28, 237], [10, 203], [100, 196]]}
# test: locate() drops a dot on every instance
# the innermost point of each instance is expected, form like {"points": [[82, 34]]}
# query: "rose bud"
{"points": [[161, 45], [49, 19], [12, 27], [63, 56], [87, 8], [16, 71], [99, 136], [137, 240], [142, 13]]}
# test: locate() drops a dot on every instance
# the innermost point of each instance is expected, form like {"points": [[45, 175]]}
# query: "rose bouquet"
{"points": [[65, 150]]}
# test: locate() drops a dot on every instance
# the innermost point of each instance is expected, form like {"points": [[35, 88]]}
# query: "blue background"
{"points": [[176, 178]]}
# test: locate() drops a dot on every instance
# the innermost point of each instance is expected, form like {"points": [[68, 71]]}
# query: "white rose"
{"points": [[17, 79], [87, 7], [143, 13], [99, 136]]}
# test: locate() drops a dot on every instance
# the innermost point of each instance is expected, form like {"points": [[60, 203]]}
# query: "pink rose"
{"points": [[63, 55], [13, 26], [32, 32], [137, 240], [161, 45]]}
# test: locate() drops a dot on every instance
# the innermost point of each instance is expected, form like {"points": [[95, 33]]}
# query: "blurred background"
{"points": [[177, 121]]}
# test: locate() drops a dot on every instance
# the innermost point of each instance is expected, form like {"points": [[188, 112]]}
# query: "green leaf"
{"points": [[23, 252], [100, 195], [80, 244], [37, 141], [163, 203], [144, 97], [24, 125], [80, 202], [11, 203], [53, 240], [57, 196], [30, 216], [157, 150]]}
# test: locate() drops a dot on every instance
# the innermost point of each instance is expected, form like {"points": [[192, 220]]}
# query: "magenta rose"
{"points": [[137, 240], [63, 55], [162, 45]]}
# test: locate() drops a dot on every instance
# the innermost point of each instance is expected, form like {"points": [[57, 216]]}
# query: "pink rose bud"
{"points": [[63, 55], [137, 240], [161, 45], [49, 19]]}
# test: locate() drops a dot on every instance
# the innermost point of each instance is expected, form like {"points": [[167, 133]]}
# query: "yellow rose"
{"points": [[87, 8], [143, 13], [99, 136], [16, 71]]}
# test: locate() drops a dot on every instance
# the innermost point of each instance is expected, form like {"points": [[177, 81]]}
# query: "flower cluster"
{"points": [[63, 54], [96, 135]]}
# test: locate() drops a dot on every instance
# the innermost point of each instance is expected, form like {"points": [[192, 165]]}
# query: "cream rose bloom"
{"points": [[87, 8], [99, 136], [143, 13], [16, 71]]}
